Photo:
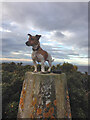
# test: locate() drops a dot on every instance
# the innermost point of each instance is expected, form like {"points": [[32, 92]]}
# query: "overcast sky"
{"points": [[63, 26]]}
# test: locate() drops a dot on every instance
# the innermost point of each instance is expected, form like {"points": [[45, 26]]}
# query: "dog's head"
{"points": [[33, 40]]}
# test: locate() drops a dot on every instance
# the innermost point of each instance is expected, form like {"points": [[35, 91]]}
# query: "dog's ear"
{"points": [[29, 35], [38, 36]]}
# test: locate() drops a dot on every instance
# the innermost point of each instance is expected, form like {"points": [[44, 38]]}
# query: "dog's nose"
{"points": [[26, 43]]}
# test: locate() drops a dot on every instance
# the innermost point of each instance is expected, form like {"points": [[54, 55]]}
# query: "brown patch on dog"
{"points": [[43, 53]]}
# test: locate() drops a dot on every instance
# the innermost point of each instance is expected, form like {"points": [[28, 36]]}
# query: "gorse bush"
{"points": [[12, 79]]}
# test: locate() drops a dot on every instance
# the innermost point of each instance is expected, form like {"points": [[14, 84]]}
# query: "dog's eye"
{"points": [[31, 38]]}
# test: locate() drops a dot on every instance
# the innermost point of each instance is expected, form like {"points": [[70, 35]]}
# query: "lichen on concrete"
{"points": [[44, 96]]}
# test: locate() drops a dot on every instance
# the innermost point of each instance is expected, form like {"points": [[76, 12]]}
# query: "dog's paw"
{"points": [[35, 71], [48, 71], [43, 72]]}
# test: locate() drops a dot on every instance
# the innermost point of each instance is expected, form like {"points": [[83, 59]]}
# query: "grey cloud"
{"points": [[60, 53], [59, 34], [48, 17]]}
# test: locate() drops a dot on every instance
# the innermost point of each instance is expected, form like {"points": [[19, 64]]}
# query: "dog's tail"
{"points": [[52, 60]]}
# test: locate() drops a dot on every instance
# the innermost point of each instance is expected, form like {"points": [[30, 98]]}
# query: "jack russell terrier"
{"points": [[38, 54]]}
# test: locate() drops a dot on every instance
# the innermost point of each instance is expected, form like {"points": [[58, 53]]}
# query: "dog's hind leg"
{"points": [[50, 65], [35, 65], [42, 66], [50, 60]]}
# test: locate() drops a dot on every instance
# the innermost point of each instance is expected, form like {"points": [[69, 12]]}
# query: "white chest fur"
{"points": [[37, 57]]}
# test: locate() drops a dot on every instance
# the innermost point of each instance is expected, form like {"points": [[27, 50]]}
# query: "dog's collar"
{"points": [[36, 48]]}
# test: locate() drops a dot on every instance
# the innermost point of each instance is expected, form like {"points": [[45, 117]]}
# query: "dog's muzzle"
{"points": [[27, 43]]}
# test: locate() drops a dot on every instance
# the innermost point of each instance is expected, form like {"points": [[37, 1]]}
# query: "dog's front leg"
{"points": [[42, 66], [35, 65]]}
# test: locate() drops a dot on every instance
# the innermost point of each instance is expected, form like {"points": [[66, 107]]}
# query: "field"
{"points": [[12, 79]]}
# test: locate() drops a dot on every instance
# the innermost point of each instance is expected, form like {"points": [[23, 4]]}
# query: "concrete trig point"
{"points": [[44, 96]]}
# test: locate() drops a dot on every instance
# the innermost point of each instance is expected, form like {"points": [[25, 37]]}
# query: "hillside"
{"points": [[12, 80]]}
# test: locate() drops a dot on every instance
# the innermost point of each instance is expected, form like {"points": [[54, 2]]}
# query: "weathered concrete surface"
{"points": [[44, 96]]}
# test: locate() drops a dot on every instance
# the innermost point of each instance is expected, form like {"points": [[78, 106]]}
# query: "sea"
{"points": [[84, 69]]}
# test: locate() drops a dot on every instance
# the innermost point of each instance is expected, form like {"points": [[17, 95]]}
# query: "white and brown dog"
{"points": [[38, 54]]}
